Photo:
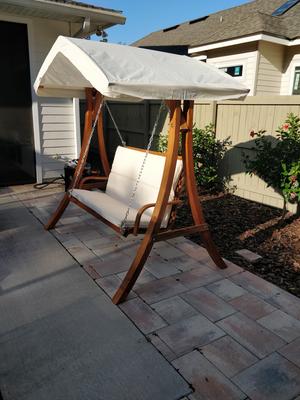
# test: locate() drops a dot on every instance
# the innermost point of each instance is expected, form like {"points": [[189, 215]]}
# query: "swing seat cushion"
{"points": [[113, 204]]}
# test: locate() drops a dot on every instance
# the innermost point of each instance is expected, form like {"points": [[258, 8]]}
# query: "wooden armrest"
{"points": [[92, 178], [143, 209]]}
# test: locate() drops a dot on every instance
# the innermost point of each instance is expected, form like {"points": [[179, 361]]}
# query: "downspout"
{"points": [[85, 30]]}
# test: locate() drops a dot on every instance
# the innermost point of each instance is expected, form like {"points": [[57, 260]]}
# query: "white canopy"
{"points": [[130, 73]]}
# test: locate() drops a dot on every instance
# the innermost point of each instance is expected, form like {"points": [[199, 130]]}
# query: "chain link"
{"points": [[124, 222], [116, 126]]}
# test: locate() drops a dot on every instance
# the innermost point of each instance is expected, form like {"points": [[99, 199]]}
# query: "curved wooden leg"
{"points": [[134, 271], [159, 209], [58, 213], [191, 187]]}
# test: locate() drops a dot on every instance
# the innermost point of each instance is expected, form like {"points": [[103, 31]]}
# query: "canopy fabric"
{"points": [[130, 73]]}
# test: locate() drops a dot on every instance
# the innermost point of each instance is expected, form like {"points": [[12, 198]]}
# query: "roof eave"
{"points": [[104, 17], [255, 36]]}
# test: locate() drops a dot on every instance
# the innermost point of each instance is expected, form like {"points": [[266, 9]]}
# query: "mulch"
{"points": [[237, 224]]}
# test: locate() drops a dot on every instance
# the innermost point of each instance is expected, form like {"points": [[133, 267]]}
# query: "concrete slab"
{"points": [[61, 337]]}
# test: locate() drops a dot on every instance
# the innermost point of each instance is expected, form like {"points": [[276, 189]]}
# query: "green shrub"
{"points": [[277, 159], [208, 152]]}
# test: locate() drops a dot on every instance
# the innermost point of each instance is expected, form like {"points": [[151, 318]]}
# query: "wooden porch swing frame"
{"points": [[180, 128]]}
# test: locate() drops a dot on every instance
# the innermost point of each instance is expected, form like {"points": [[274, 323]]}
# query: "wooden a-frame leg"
{"points": [[191, 186], [159, 210], [82, 159]]}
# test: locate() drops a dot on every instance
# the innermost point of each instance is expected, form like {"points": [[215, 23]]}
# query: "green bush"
{"points": [[208, 153], [277, 159]]}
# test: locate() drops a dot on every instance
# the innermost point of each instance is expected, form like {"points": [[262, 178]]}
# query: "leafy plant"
{"points": [[290, 182], [277, 159], [208, 152]]}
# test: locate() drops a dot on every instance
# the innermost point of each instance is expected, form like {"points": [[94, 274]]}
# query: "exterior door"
{"points": [[17, 159]]}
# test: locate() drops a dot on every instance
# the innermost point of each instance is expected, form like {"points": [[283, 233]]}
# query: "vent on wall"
{"points": [[194, 21], [285, 7]]}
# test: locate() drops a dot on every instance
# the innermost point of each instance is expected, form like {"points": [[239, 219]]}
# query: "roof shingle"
{"points": [[247, 19]]}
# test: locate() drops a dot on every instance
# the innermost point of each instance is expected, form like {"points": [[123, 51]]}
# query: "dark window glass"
{"points": [[296, 86], [236, 70], [284, 7]]}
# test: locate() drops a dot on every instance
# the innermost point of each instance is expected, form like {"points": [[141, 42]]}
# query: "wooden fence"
{"points": [[233, 119], [236, 119]]}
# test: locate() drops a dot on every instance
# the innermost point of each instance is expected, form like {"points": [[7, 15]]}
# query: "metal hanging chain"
{"points": [[116, 126], [84, 157], [134, 190]]}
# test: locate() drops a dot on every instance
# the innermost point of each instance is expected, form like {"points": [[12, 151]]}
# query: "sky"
{"points": [[146, 16]]}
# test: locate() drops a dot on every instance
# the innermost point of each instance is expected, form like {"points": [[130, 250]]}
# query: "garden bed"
{"points": [[237, 224]]}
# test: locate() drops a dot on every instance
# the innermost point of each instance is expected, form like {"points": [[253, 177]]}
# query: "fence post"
{"points": [[214, 108]]}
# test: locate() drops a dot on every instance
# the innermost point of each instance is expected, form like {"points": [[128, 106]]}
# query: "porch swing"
{"points": [[131, 186], [142, 188]]}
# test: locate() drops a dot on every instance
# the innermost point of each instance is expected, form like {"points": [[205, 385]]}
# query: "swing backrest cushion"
{"points": [[113, 204], [124, 174]]}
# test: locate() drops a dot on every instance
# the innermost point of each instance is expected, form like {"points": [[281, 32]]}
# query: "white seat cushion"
{"points": [[112, 209], [113, 204]]}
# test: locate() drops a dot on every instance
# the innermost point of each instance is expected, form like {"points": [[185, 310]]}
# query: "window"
{"points": [[284, 7], [296, 86], [233, 71]]}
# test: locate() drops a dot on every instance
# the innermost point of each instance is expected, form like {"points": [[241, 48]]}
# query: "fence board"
{"points": [[236, 119]]}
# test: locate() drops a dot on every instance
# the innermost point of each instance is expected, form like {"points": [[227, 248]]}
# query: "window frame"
{"points": [[241, 66], [296, 92]]}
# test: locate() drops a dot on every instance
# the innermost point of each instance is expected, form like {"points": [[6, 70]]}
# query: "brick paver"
{"points": [[252, 306], [286, 302], [110, 284], [255, 284], [174, 309], [190, 333], [161, 289], [162, 347], [230, 333], [272, 378], [285, 326], [292, 352], [208, 304], [160, 268], [142, 315], [228, 356], [226, 289], [250, 334], [249, 255], [207, 381], [111, 267], [198, 277]]}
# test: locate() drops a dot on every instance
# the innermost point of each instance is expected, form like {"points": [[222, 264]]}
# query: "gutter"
{"points": [[97, 16], [245, 39]]}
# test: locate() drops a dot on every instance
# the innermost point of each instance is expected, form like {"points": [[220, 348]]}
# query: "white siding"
{"points": [[247, 60], [270, 69], [291, 61], [58, 141], [57, 132]]}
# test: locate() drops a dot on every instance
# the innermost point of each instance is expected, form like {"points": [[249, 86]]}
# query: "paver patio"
{"points": [[230, 334]]}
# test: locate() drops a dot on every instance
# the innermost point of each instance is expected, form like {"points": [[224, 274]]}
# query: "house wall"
{"points": [[291, 61], [55, 128], [270, 68], [245, 55]]}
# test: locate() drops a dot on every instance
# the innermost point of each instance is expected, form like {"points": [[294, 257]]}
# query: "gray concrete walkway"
{"points": [[61, 338], [231, 334]]}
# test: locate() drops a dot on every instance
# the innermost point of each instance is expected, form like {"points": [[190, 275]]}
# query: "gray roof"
{"points": [[244, 20]]}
